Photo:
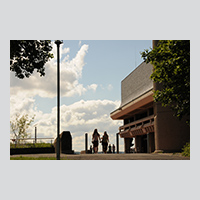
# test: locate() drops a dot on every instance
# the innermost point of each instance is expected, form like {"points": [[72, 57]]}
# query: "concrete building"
{"points": [[153, 127]]}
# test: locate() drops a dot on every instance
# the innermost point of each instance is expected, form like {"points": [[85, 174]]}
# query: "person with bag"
{"points": [[105, 140], [95, 140]]}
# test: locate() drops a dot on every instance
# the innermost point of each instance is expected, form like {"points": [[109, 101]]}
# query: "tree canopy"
{"points": [[171, 61], [28, 55]]}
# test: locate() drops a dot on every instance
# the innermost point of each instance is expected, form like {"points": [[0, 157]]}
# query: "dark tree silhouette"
{"points": [[28, 55]]}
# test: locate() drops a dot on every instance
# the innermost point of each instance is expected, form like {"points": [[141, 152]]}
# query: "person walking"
{"points": [[95, 140], [109, 149], [113, 148], [105, 140]]}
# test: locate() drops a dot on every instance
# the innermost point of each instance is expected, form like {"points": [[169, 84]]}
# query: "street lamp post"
{"points": [[58, 42], [35, 134]]}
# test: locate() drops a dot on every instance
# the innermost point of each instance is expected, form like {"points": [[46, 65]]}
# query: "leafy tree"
{"points": [[171, 61], [27, 55], [20, 125], [186, 150]]}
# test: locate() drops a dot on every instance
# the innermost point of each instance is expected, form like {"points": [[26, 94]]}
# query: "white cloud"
{"points": [[71, 72], [79, 44], [92, 87], [79, 118], [110, 87], [22, 105], [64, 51]]}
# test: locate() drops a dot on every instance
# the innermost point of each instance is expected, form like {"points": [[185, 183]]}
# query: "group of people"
{"points": [[96, 139]]}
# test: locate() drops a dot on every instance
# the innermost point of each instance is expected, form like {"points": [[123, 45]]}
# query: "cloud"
{"points": [[79, 118], [110, 87], [70, 70], [23, 105], [79, 44], [92, 87], [88, 115]]}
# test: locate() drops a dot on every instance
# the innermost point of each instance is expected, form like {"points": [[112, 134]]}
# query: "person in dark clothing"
{"points": [[95, 140], [105, 140], [109, 149], [113, 148]]}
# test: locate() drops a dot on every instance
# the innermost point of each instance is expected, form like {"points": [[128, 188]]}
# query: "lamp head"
{"points": [[58, 42]]}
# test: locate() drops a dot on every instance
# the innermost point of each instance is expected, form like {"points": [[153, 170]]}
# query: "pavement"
{"points": [[131, 156]]}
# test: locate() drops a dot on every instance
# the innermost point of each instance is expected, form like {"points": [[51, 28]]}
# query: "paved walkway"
{"points": [[133, 156]]}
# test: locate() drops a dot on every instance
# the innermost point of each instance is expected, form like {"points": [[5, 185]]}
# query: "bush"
{"points": [[31, 145], [186, 150]]}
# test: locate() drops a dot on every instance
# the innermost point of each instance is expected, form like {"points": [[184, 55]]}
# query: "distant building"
{"points": [[153, 127]]}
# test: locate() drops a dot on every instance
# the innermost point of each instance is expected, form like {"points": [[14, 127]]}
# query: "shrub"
{"points": [[186, 150], [31, 145]]}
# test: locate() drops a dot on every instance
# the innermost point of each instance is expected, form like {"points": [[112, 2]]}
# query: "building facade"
{"points": [[153, 127]]}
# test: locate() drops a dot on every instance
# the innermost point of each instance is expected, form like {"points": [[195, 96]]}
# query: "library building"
{"points": [[147, 124]]}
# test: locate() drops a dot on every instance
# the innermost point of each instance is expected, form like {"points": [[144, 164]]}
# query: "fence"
{"points": [[22, 142]]}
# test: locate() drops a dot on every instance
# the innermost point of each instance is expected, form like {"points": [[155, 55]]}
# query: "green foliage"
{"points": [[186, 150], [28, 55], [31, 145], [32, 158], [171, 61], [20, 125]]}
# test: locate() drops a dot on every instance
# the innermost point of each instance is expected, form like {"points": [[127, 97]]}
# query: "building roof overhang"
{"points": [[133, 105]]}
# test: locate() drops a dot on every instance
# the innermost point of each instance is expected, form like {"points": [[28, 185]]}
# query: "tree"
{"points": [[171, 61], [28, 55], [20, 125]]}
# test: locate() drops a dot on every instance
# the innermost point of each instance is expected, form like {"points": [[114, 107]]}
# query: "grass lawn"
{"points": [[34, 158]]}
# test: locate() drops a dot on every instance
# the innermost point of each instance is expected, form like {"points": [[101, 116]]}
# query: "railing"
{"points": [[18, 142], [138, 127]]}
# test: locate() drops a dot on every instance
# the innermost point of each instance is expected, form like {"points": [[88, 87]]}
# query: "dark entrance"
{"points": [[143, 143]]}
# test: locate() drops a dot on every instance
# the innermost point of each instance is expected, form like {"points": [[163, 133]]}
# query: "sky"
{"points": [[91, 75]]}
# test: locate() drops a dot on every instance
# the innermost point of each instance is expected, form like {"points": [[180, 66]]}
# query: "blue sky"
{"points": [[106, 64], [91, 75]]}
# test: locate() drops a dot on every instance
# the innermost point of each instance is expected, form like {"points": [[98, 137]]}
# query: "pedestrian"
{"points": [[95, 140], [113, 148], [90, 148], [109, 149], [105, 140]]}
